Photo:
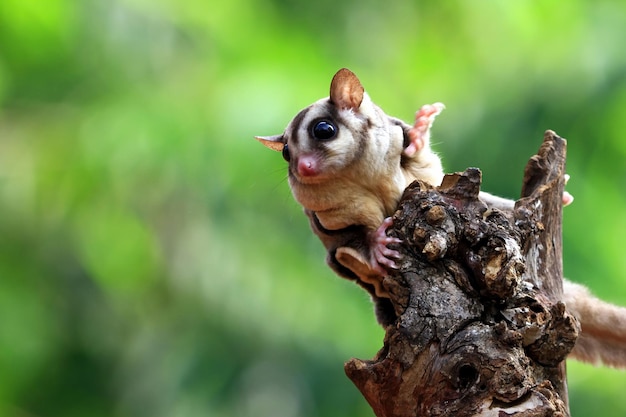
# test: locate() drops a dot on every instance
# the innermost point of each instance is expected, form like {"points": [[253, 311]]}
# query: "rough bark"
{"points": [[480, 327]]}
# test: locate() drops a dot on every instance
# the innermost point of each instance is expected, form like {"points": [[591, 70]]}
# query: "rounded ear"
{"points": [[346, 91], [275, 143]]}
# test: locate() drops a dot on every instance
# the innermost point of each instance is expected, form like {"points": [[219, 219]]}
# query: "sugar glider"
{"points": [[349, 164]]}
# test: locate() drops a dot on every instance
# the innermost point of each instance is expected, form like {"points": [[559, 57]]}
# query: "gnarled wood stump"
{"points": [[480, 327]]}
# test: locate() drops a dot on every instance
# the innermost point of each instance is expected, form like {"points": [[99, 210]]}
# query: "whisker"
{"points": [[282, 181]]}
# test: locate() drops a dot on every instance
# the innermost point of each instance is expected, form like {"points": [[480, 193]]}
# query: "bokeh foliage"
{"points": [[152, 261]]}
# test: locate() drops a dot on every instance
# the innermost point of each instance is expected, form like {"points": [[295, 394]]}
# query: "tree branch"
{"points": [[480, 326]]}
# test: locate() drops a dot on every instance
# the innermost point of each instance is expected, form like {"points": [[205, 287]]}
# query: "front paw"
{"points": [[419, 134], [383, 257]]}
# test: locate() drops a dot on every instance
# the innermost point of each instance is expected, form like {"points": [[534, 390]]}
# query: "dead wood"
{"points": [[480, 327]]}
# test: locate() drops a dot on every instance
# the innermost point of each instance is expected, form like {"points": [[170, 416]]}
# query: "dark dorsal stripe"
{"points": [[292, 134]]}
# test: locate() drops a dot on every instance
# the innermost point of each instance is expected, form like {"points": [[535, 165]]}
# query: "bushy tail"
{"points": [[603, 336]]}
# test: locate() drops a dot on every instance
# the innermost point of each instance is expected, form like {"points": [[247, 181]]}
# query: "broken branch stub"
{"points": [[480, 328]]}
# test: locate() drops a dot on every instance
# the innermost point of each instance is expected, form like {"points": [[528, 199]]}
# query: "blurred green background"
{"points": [[152, 260]]}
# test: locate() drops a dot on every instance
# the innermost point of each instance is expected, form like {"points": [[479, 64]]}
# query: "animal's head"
{"points": [[343, 131]]}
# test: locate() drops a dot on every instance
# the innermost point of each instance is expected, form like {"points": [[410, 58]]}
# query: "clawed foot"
{"points": [[420, 132], [567, 197], [382, 256]]}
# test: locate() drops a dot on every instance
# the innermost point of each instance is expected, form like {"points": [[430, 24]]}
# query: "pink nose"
{"points": [[307, 166]]}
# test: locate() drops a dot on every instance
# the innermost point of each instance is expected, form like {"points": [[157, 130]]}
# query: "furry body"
{"points": [[349, 164]]}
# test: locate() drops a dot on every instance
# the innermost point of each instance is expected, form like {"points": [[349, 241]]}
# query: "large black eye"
{"points": [[324, 130], [286, 153]]}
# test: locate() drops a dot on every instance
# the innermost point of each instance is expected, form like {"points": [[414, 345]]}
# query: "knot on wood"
{"points": [[456, 225], [548, 331]]}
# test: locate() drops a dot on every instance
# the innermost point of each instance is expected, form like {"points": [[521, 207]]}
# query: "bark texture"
{"points": [[481, 329]]}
